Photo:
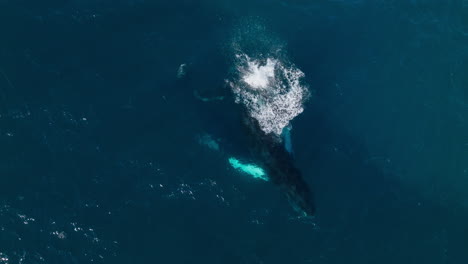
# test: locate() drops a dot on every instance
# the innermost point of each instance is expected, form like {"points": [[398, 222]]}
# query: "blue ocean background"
{"points": [[100, 153]]}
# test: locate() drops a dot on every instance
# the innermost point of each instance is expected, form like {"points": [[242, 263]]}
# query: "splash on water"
{"points": [[271, 90]]}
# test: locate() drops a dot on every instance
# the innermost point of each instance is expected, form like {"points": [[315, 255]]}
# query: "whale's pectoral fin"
{"points": [[286, 136], [250, 169]]}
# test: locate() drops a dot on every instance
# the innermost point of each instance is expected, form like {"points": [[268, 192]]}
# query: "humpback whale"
{"points": [[271, 93]]}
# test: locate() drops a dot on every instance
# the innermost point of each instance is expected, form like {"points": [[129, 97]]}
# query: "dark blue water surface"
{"points": [[100, 153]]}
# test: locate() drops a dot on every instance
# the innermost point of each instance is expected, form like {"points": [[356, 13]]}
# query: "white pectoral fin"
{"points": [[286, 135], [250, 169]]}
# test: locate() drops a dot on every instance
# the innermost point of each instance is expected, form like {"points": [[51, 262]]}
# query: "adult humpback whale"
{"points": [[272, 94]]}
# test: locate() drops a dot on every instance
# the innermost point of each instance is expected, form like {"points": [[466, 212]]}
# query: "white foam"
{"points": [[272, 93], [259, 76]]}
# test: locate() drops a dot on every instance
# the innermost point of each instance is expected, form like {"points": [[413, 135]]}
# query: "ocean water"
{"points": [[117, 119]]}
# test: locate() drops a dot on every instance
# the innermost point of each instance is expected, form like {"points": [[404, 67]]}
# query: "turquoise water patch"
{"points": [[251, 169], [208, 141]]}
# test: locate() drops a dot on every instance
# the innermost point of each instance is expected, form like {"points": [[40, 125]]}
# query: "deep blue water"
{"points": [[100, 159]]}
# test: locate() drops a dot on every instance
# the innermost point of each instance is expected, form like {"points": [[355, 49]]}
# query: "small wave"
{"points": [[271, 91]]}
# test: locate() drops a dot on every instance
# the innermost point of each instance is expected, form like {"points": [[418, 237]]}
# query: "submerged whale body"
{"points": [[272, 93], [270, 153]]}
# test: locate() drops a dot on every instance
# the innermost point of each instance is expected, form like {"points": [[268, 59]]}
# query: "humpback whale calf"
{"points": [[271, 94]]}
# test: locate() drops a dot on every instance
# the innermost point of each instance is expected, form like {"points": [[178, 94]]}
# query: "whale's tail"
{"points": [[301, 199]]}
